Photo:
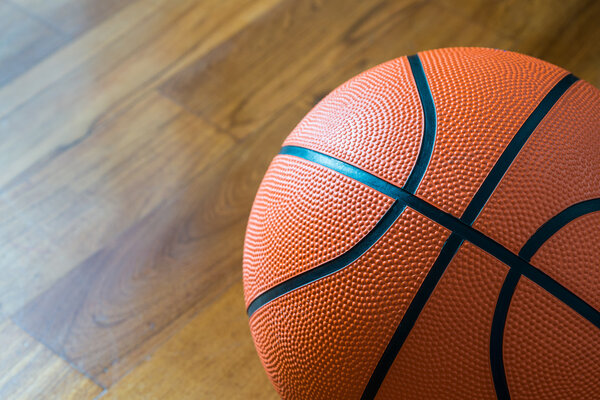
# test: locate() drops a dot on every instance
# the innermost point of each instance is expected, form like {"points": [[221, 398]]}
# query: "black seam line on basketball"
{"points": [[354, 252], [462, 231], [332, 266], [344, 168], [377, 184], [503, 254], [429, 125], [410, 316], [554, 224], [458, 228], [545, 232], [411, 185], [497, 333], [453, 243], [512, 150]]}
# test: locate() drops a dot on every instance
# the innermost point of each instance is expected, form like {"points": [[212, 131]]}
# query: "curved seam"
{"points": [[554, 224], [490, 246], [429, 125], [332, 266], [462, 230], [452, 245], [533, 244], [411, 185], [497, 333], [514, 147]]}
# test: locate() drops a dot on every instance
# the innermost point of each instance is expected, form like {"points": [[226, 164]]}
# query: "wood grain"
{"points": [[71, 57], [538, 21], [72, 17], [179, 257], [216, 342], [24, 41], [28, 370], [52, 224], [75, 203], [62, 114], [371, 44], [560, 32], [133, 137], [239, 96], [577, 46]]}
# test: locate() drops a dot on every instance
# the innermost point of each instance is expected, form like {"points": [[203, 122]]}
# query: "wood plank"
{"points": [[577, 46], [422, 26], [275, 58], [213, 357], [64, 210], [115, 75], [240, 96], [24, 41], [72, 56], [537, 21], [557, 31], [72, 17], [117, 305], [142, 247], [28, 370]]}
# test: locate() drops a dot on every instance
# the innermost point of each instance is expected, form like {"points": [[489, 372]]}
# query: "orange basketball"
{"points": [[431, 230]]}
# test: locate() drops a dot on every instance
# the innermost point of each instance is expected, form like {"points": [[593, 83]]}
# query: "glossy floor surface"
{"points": [[133, 137]]}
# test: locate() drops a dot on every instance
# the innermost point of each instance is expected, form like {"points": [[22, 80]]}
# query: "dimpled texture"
{"points": [[550, 352], [572, 257], [558, 167], [446, 355], [322, 340], [300, 219], [482, 97], [374, 121]]}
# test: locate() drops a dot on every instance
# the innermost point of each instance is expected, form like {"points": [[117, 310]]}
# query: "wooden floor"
{"points": [[133, 137]]}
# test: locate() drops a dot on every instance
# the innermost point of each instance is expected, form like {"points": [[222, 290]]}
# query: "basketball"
{"points": [[431, 230]]}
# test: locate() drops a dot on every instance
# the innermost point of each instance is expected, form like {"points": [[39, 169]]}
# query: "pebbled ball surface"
{"points": [[446, 355], [324, 339], [300, 219], [382, 101], [557, 167], [572, 257], [482, 97], [550, 352]]}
